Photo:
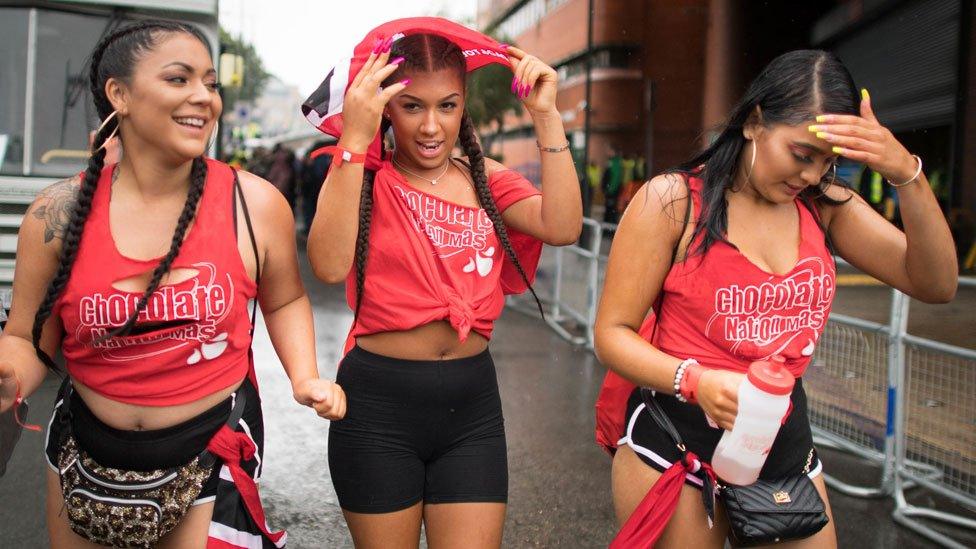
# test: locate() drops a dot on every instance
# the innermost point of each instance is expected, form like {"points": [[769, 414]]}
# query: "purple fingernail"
{"points": [[397, 61], [388, 45], [515, 85], [522, 89], [377, 42], [503, 46], [528, 90], [405, 81]]}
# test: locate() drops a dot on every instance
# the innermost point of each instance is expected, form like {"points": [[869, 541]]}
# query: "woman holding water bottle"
{"points": [[732, 251]]}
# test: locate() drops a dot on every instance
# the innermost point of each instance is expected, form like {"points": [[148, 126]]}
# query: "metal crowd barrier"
{"points": [[901, 402], [935, 420], [567, 283]]}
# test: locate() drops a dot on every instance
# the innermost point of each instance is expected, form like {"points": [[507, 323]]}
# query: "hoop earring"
{"points": [[102, 127], [213, 137], [823, 188], [752, 165]]}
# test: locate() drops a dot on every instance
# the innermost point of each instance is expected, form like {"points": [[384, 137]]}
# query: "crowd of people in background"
{"points": [[298, 177]]}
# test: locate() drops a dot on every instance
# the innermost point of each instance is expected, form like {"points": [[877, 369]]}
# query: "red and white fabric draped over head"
{"points": [[324, 107]]}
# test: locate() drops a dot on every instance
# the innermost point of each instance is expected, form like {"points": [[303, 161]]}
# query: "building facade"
{"points": [[663, 74]]}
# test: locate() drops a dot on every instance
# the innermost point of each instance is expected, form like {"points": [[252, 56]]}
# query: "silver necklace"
{"points": [[418, 176]]}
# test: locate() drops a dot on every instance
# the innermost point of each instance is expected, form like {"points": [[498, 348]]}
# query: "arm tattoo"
{"points": [[55, 205]]}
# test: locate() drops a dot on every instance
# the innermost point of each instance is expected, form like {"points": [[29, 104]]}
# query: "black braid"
{"points": [[119, 51], [365, 217], [471, 147], [198, 177], [72, 237]]}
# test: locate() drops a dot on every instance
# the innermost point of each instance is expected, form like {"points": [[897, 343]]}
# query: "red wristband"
{"points": [[340, 155], [689, 382]]}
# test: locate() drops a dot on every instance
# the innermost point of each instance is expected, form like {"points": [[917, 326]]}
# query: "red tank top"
{"points": [[430, 259], [204, 345], [726, 312]]}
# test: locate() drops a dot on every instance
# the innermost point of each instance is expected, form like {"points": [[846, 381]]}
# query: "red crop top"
{"points": [[204, 342], [431, 260], [724, 311]]}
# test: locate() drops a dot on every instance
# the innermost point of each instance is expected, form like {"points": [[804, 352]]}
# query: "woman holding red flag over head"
{"points": [[428, 245], [140, 272], [726, 260]]}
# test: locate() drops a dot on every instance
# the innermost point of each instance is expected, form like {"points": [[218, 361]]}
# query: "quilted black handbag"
{"points": [[767, 511]]}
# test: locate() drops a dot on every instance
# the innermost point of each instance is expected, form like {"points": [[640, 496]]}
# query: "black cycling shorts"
{"points": [[418, 430]]}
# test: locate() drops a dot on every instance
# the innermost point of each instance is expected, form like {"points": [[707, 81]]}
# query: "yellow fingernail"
{"points": [[864, 94], [813, 127], [822, 135], [837, 150], [822, 118]]}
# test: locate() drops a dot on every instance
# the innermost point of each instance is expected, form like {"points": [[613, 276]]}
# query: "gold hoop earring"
{"points": [[102, 127], [752, 165]]}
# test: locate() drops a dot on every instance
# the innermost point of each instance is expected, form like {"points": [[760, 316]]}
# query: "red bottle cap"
{"points": [[771, 376]]}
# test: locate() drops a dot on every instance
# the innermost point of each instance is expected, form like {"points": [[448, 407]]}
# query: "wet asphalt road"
{"points": [[559, 478]]}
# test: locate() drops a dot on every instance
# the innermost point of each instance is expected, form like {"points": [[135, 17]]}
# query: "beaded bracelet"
{"points": [[553, 149], [680, 373]]}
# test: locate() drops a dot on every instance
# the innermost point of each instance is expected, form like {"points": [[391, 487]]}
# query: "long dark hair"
{"points": [[425, 53], [793, 88], [116, 56]]}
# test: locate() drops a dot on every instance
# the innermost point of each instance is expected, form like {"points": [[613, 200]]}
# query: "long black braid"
{"points": [[365, 217], [469, 144], [115, 56]]}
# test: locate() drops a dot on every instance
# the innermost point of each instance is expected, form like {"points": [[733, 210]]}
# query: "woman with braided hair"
{"points": [[428, 244], [140, 273]]}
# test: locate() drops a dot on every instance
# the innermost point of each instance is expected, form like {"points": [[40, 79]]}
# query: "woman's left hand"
{"points": [[534, 81], [325, 397], [864, 139]]}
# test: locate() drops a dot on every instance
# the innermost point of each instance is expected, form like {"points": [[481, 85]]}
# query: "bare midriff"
{"points": [[133, 417], [433, 341]]}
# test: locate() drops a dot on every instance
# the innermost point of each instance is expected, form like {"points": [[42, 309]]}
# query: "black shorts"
{"points": [[156, 449], [792, 452], [415, 430]]}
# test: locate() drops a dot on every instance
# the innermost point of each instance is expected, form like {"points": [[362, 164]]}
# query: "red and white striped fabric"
{"points": [[323, 109]]}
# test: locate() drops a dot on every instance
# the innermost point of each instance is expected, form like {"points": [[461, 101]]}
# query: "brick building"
{"points": [[664, 72]]}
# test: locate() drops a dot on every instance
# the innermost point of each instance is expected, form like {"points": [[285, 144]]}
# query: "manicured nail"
{"points": [[376, 45], [864, 94], [397, 61], [813, 128], [405, 81], [522, 88], [528, 90], [822, 118], [515, 84], [503, 46], [837, 150], [822, 135], [388, 45]]}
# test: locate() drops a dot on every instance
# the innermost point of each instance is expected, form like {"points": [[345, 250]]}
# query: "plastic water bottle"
{"points": [[764, 398]]}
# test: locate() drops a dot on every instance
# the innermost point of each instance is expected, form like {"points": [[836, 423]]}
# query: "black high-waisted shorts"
{"points": [[156, 449], [415, 430], [792, 452]]}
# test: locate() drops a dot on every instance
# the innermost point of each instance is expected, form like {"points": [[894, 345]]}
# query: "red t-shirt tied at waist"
{"points": [[200, 330], [430, 259], [726, 312]]}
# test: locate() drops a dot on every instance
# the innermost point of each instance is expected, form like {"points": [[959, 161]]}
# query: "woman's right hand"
{"points": [[8, 385], [718, 395], [362, 107]]}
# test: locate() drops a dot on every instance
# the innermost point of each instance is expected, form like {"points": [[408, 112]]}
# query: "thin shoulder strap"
{"points": [[254, 244], [684, 226]]}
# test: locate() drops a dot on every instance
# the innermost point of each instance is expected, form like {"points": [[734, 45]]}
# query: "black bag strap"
{"points": [[660, 417], [254, 244]]}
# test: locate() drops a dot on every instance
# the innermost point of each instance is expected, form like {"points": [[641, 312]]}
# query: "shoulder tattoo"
{"points": [[54, 207]]}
